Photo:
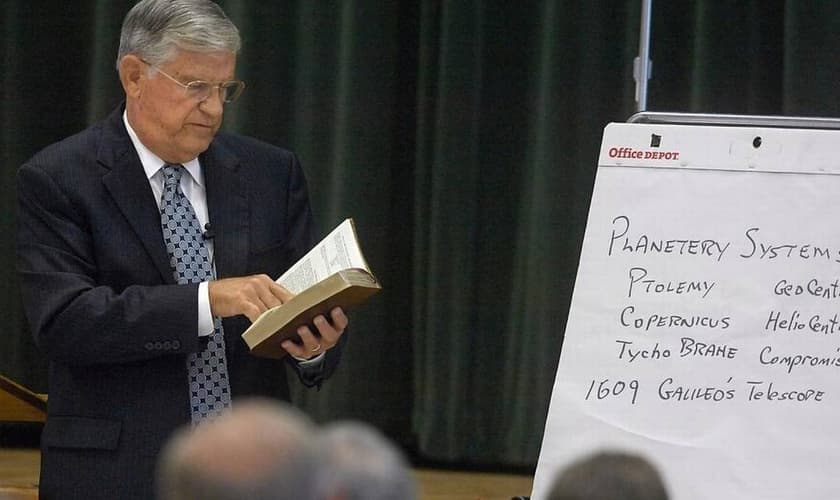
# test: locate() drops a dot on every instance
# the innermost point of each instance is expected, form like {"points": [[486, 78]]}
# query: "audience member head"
{"points": [[609, 476], [359, 463], [259, 450]]}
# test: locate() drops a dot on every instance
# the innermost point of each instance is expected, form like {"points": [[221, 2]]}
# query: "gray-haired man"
{"points": [[146, 243]]}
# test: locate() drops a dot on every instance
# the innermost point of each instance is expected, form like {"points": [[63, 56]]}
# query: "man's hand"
{"points": [[313, 344], [248, 295]]}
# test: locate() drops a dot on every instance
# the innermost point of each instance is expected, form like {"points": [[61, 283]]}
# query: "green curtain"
{"points": [[462, 136]]}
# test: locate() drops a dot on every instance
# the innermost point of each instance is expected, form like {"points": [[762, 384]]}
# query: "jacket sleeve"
{"points": [[75, 316]]}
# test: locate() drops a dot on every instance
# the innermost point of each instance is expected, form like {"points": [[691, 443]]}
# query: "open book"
{"points": [[333, 274]]}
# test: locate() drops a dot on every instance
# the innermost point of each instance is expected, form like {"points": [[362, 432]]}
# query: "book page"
{"points": [[337, 251]]}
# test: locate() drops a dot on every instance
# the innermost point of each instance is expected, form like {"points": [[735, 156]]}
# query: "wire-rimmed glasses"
{"points": [[201, 90]]}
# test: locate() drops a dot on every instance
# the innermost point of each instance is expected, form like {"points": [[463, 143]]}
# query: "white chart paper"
{"points": [[704, 329]]}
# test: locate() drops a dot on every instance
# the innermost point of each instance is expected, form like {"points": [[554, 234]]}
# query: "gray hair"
{"points": [[259, 450], [154, 29], [360, 463]]}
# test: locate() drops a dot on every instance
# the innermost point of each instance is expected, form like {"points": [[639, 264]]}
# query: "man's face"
{"points": [[173, 125]]}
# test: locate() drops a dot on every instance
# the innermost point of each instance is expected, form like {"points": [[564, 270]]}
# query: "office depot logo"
{"points": [[640, 154]]}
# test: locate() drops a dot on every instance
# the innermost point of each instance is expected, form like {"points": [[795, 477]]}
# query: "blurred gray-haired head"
{"points": [[360, 463], [259, 450], [154, 29], [609, 475]]}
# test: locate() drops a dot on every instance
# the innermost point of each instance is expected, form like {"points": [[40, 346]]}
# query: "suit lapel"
{"points": [[228, 210], [129, 187], [227, 200]]}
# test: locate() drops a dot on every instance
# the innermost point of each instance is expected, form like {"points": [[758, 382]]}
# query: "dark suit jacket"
{"points": [[104, 307]]}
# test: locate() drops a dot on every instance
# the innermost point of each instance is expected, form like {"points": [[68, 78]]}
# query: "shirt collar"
{"points": [[152, 163]]}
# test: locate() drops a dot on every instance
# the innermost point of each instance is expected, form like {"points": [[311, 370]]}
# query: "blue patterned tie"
{"points": [[190, 262]]}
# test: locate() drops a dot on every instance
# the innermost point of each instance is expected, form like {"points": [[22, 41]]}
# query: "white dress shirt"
{"points": [[193, 187]]}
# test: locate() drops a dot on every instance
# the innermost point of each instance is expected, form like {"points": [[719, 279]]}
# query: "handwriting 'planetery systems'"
{"points": [[751, 246], [653, 330]]}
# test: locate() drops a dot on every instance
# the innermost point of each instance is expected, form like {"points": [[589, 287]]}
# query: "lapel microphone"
{"points": [[208, 233]]}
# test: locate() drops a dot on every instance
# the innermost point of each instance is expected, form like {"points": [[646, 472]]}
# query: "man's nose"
{"points": [[213, 105]]}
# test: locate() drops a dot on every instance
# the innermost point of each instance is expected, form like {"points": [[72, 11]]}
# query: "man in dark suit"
{"points": [[127, 314]]}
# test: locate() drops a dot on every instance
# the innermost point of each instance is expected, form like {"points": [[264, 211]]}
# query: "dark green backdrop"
{"points": [[463, 137]]}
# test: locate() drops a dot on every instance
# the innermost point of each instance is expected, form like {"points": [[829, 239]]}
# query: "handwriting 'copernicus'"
{"points": [[629, 318]]}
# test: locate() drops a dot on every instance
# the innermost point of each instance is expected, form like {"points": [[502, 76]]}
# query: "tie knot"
{"points": [[172, 174]]}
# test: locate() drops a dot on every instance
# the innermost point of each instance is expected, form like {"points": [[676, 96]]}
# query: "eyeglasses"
{"points": [[201, 90]]}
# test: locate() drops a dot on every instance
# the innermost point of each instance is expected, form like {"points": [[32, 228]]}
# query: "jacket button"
{"points": [[149, 346]]}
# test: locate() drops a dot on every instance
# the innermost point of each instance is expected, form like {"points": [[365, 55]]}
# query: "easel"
{"points": [[722, 184]]}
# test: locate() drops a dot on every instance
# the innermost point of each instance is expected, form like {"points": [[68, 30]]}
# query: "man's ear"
{"points": [[132, 75]]}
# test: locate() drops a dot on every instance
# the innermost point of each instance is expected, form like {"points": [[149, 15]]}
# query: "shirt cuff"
{"points": [[311, 362], [205, 316]]}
